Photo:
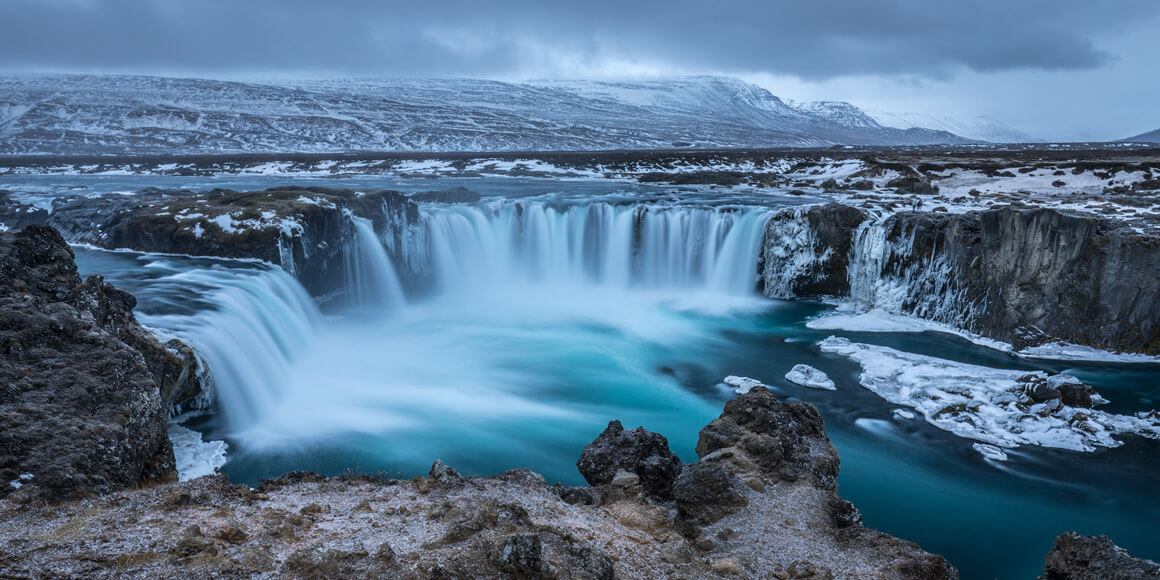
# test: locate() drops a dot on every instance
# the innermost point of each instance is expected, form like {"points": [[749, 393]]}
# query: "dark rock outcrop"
{"points": [[763, 460], [783, 441], [306, 230], [80, 409], [1076, 557], [638, 451], [1029, 277], [16, 216], [1022, 276], [706, 492], [454, 195], [912, 185]]}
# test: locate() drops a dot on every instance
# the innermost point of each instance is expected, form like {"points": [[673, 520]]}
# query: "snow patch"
{"points": [[878, 320], [195, 457], [226, 222], [986, 404]]}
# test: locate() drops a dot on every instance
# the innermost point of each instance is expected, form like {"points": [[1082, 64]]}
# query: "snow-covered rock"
{"points": [[808, 376], [742, 384]]}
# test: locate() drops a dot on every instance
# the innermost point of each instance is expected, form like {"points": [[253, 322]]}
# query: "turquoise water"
{"points": [[526, 375]]}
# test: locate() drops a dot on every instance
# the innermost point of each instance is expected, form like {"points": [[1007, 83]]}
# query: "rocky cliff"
{"points": [[306, 230], [760, 503], [1022, 276], [85, 388]]}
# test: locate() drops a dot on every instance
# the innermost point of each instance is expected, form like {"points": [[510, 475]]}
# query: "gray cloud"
{"points": [[807, 39]]}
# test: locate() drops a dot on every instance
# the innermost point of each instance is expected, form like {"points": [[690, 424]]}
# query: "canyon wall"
{"points": [[1022, 276]]}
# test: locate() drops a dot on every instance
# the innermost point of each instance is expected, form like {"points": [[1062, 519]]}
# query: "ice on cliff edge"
{"points": [[194, 456], [986, 404]]}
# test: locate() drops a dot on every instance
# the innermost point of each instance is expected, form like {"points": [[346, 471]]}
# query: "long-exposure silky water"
{"points": [[507, 332]]}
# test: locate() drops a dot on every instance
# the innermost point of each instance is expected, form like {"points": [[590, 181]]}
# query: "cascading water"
{"points": [[371, 280], [258, 322], [465, 248]]}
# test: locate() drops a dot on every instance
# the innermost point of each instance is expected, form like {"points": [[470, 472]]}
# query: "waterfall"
{"points": [[257, 323], [471, 247], [371, 281]]}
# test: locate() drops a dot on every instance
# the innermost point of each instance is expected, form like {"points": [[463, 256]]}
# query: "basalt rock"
{"points": [[16, 216], [80, 409], [636, 451], [1030, 277], [1076, 557], [306, 230], [912, 185]]}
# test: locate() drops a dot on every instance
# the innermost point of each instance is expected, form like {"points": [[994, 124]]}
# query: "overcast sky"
{"points": [[1058, 69]]}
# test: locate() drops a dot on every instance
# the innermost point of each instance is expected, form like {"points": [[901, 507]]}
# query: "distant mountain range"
{"points": [[87, 114], [1149, 137]]}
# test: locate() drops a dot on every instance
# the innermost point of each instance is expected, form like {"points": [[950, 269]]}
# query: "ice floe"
{"points": [[808, 376], [1065, 351], [742, 384], [990, 452], [993, 406], [195, 457], [877, 320]]}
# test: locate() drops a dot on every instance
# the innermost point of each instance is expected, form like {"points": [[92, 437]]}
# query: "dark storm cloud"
{"points": [[809, 39]]}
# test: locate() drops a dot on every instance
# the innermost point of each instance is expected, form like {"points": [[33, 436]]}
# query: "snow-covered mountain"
{"points": [[86, 114], [1149, 137], [977, 128]]}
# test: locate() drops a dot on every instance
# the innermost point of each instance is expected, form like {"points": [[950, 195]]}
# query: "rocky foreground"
{"points": [[760, 503]]}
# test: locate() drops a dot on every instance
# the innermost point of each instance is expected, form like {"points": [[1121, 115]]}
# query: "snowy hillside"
{"points": [[977, 128], [1149, 137], [85, 114]]}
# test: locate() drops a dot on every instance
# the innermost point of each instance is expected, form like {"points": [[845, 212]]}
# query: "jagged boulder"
{"points": [[1076, 557], [638, 451], [80, 408], [785, 441]]}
